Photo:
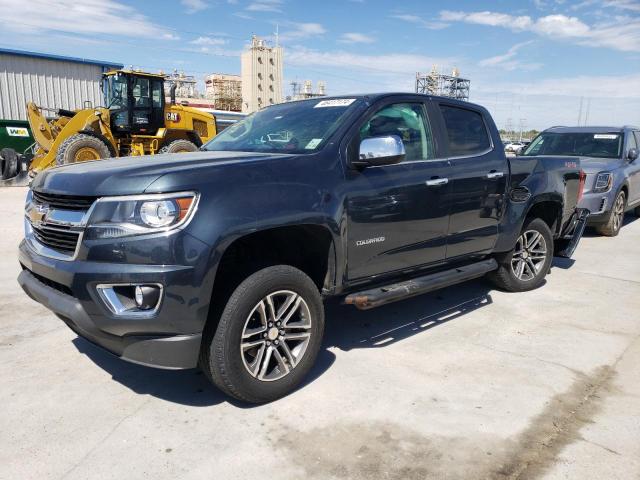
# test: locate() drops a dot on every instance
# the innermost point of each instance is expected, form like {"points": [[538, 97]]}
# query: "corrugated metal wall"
{"points": [[48, 83]]}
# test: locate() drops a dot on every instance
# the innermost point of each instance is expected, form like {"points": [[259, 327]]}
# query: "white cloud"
{"points": [[415, 19], [385, 64], [600, 86], [632, 5], [353, 37], [170, 36], [613, 100], [209, 41], [623, 33], [194, 6], [87, 17], [296, 31], [509, 61], [265, 6]]}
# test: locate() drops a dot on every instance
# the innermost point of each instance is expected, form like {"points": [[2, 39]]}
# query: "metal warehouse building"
{"points": [[50, 81]]}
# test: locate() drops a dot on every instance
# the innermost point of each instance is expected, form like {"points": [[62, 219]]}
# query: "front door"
{"points": [[633, 168], [478, 175], [395, 220], [147, 105]]}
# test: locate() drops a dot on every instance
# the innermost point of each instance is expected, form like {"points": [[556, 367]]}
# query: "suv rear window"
{"points": [[466, 131]]}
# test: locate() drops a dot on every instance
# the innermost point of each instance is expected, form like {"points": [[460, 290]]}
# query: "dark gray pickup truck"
{"points": [[221, 258]]}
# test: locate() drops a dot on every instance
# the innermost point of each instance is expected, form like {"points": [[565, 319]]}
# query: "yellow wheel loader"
{"points": [[134, 121]]}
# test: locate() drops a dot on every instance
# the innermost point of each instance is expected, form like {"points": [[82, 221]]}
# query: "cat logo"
{"points": [[173, 116], [17, 132]]}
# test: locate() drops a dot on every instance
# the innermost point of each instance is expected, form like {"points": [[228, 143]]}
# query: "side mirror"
{"points": [[632, 155], [376, 151]]}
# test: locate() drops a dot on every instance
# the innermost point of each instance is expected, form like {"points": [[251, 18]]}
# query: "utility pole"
{"points": [[586, 115], [521, 123], [580, 111]]}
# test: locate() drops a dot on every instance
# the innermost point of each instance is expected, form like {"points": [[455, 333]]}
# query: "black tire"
{"points": [[221, 358], [506, 278], [612, 226], [179, 146], [80, 148], [9, 163]]}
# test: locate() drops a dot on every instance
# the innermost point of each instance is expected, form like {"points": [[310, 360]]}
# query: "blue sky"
{"points": [[528, 61]]}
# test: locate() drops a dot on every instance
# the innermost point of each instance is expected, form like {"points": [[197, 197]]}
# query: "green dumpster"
{"points": [[15, 134]]}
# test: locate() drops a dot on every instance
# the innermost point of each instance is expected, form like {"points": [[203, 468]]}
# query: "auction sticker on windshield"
{"points": [[337, 102], [313, 143], [605, 136]]}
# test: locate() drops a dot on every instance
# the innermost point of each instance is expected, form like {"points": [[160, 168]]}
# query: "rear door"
{"points": [[478, 174], [397, 215]]}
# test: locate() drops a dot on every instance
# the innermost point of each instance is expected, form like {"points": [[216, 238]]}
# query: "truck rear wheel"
{"points": [[613, 225], [268, 336], [81, 148], [525, 267], [179, 146]]}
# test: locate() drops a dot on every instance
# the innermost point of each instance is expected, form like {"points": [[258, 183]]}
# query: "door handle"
{"points": [[436, 182], [492, 175]]}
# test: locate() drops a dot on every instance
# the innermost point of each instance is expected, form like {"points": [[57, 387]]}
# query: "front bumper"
{"points": [[599, 204], [169, 339]]}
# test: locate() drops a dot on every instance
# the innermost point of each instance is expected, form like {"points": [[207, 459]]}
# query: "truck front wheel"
{"points": [[525, 267], [268, 336]]}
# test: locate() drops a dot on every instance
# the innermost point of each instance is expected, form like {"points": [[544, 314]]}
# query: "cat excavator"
{"points": [[135, 120]]}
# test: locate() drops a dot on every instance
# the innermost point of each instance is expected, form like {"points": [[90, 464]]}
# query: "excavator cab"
{"points": [[135, 101]]}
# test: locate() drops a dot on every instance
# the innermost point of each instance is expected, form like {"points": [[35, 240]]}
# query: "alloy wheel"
{"points": [[529, 255], [618, 212], [276, 335]]}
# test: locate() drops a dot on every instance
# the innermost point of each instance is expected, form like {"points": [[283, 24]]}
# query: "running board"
{"points": [[417, 286]]}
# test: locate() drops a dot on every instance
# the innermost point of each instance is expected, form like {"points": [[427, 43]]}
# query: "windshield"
{"points": [[581, 144], [115, 91], [296, 127]]}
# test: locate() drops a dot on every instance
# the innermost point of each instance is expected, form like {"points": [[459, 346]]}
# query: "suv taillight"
{"points": [[583, 177]]}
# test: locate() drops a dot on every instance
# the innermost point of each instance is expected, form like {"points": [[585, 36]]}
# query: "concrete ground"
{"points": [[468, 382]]}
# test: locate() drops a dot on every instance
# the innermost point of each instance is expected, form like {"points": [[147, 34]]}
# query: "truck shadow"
{"points": [[346, 328]]}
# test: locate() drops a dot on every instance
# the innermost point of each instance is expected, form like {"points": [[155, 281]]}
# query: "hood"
{"points": [[593, 165], [132, 175]]}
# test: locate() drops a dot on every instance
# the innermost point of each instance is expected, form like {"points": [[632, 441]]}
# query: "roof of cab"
{"points": [[372, 97], [595, 129]]}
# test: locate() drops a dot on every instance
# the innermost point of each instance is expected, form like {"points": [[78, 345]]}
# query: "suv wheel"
{"points": [[525, 267], [268, 336], [612, 227]]}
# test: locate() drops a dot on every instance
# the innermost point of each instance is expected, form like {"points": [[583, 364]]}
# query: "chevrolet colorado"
{"points": [[221, 258]]}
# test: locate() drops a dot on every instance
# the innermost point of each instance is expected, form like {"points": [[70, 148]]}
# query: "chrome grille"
{"points": [[63, 202], [54, 224], [61, 239]]}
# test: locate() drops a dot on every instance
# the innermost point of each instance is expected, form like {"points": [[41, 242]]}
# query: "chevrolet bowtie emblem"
{"points": [[38, 214]]}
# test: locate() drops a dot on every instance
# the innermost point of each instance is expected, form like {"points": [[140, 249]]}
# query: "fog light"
{"points": [[131, 300], [147, 296], [139, 296]]}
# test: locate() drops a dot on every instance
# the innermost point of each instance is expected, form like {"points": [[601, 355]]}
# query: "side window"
{"points": [[407, 121], [631, 141], [466, 131], [141, 92], [637, 134], [157, 93]]}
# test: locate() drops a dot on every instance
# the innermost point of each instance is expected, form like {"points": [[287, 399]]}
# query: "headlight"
{"points": [[113, 217], [603, 182]]}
